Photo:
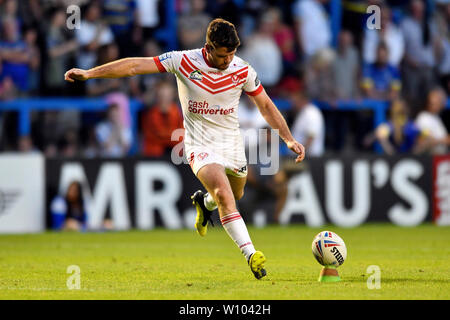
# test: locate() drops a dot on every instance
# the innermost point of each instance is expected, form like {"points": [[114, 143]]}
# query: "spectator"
{"points": [[263, 189], [53, 126], [9, 10], [30, 38], [8, 90], [225, 9], [142, 86], [113, 139], [380, 79], [25, 144], [319, 78], [114, 90], [91, 149], [60, 49], [399, 134], [68, 145], [443, 26], [389, 34], [159, 122], [345, 71], [249, 115], [250, 13], [346, 67], [262, 52], [293, 81], [308, 127], [14, 54], [284, 38], [192, 26], [31, 12], [50, 150], [92, 34], [420, 43], [98, 87], [69, 212], [123, 18], [250, 119], [432, 125], [312, 26], [148, 13], [354, 17]]}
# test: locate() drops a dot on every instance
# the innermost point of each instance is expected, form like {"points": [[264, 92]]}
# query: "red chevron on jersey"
{"points": [[209, 77], [229, 81], [210, 84], [208, 89]]}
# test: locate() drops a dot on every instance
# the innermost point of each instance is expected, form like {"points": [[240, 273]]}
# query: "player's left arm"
{"points": [[276, 120]]}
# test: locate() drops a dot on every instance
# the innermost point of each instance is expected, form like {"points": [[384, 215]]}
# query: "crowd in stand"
{"points": [[405, 62]]}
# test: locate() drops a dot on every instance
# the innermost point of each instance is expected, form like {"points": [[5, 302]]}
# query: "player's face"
{"points": [[221, 57]]}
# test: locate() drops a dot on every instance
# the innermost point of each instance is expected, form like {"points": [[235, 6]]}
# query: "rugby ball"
{"points": [[329, 249]]}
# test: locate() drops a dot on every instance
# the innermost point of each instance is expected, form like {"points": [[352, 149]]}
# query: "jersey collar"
{"points": [[205, 58]]}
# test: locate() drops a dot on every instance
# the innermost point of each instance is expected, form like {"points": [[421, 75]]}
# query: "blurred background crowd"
{"points": [[313, 55]]}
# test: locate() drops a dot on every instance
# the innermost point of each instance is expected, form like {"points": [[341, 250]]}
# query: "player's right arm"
{"points": [[126, 67]]}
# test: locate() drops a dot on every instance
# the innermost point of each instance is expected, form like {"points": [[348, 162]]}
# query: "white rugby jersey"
{"points": [[210, 97]]}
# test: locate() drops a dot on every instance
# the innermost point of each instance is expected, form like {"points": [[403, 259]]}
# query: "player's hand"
{"points": [[298, 148], [76, 74]]}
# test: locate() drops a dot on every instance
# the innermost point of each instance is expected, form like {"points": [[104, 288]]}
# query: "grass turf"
{"points": [[162, 264]]}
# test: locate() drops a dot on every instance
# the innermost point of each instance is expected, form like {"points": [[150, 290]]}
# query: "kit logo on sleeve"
{"points": [[165, 56], [257, 82]]}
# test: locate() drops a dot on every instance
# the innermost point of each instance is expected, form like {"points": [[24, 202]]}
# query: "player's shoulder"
{"points": [[238, 62], [178, 54], [191, 57], [192, 54]]}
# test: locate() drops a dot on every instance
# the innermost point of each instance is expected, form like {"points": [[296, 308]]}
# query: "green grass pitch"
{"points": [[163, 264]]}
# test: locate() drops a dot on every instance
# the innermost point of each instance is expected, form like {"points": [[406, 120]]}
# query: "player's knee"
{"points": [[222, 196]]}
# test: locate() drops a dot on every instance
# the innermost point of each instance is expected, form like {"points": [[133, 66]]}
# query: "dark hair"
{"points": [[221, 33], [70, 210]]}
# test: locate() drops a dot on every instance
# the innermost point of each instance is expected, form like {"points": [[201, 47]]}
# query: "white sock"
{"points": [[236, 229], [209, 202]]}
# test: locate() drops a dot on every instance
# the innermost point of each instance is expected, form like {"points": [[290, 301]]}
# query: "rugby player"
{"points": [[210, 82]]}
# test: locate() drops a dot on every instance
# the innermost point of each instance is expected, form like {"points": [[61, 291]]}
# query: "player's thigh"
{"points": [[214, 179], [237, 185]]}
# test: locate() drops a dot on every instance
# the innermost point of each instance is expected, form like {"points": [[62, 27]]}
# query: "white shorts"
{"points": [[199, 157]]}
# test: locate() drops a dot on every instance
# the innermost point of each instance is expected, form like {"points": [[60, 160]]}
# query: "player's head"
{"points": [[221, 43]]}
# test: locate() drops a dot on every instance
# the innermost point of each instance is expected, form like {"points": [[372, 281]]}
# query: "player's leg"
{"points": [[217, 183], [257, 259], [237, 185]]}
